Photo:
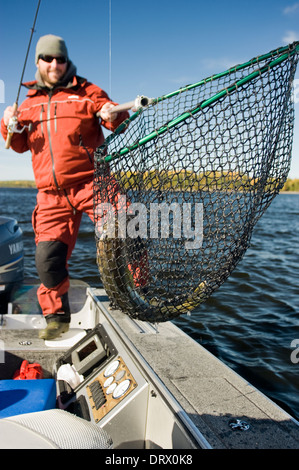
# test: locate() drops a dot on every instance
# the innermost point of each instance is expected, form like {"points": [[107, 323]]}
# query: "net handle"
{"points": [[139, 103]]}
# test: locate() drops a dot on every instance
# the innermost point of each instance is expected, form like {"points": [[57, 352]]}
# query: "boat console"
{"points": [[111, 390]]}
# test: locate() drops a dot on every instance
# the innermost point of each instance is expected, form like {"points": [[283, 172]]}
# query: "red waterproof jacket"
{"points": [[63, 131]]}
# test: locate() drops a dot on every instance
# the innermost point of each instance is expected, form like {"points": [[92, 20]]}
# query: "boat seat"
{"points": [[51, 429]]}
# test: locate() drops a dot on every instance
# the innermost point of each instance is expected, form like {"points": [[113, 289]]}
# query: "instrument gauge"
{"points": [[108, 381], [121, 388], [111, 369]]}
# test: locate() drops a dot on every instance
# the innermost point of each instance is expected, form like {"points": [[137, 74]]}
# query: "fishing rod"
{"points": [[12, 125]]}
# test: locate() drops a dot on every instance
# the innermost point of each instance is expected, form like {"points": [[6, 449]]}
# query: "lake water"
{"points": [[251, 322]]}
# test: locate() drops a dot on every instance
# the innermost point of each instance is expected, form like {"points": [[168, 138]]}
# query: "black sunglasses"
{"points": [[49, 59]]}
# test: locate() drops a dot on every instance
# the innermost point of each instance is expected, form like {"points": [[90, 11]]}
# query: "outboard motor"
{"points": [[11, 259]]}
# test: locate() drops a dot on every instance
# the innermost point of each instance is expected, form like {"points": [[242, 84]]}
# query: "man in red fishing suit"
{"points": [[62, 131]]}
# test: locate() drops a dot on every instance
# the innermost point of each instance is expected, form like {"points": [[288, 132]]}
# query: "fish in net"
{"points": [[179, 187]]}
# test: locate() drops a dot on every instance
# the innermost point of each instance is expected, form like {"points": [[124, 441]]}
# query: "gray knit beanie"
{"points": [[50, 45]]}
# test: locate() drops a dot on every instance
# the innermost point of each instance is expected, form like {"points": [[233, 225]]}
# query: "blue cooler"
{"points": [[26, 396]]}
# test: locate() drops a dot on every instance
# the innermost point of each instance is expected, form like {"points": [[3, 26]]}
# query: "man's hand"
{"points": [[106, 114], [9, 112]]}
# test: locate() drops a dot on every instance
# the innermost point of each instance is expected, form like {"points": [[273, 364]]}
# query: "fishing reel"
{"points": [[13, 126]]}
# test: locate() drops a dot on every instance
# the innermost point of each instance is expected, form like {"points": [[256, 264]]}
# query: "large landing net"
{"points": [[176, 196]]}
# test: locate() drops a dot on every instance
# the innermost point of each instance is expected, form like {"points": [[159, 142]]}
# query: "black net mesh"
{"points": [[177, 194]]}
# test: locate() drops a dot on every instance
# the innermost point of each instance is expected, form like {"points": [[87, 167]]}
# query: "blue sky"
{"points": [[155, 47]]}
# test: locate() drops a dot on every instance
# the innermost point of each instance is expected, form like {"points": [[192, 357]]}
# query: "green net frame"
{"points": [[179, 187]]}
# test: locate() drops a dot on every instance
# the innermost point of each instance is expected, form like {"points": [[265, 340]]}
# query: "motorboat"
{"points": [[113, 382]]}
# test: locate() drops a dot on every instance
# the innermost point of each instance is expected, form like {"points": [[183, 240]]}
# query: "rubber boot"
{"points": [[57, 323]]}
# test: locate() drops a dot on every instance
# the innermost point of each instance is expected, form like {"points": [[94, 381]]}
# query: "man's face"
{"points": [[51, 71]]}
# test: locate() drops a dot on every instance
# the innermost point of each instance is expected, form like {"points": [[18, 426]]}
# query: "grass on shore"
{"points": [[291, 185]]}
